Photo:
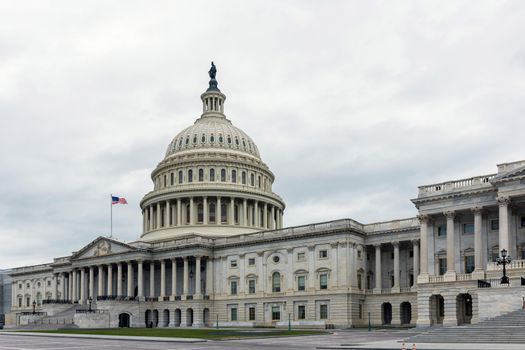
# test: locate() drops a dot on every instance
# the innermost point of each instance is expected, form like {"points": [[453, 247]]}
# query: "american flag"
{"points": [[118, 200]]}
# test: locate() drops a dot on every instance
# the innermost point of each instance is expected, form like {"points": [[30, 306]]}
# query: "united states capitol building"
{"points": [[213, 249]]}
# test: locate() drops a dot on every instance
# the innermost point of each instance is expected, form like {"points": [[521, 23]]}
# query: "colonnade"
{"points": [[117, 280], [215, 210], [378, 266]]}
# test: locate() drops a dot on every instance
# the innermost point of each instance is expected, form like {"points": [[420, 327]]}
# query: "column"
{"points": [[151, 217], [110, 280], [205, 215], [378, 276], [450, 275], [55, 286], [130, 280], [245, 212], [272, 220], [100, 289], [415, 249], [74, 286], [232, 209], [265, 216], [209, 276], [162, 279], [91, 282], [478, 244], [140, 280], [396, 267], [152, 279], [289, 270], [423, 276], [82, 286], [197, 277], [311, 268], [119, 279], [173, 278], [179, 212], [218, 217], [63, 291], [159, 220], [192, 212], [256, 213], [70, 281], [185, 278], [167, 219], [503, 203]]}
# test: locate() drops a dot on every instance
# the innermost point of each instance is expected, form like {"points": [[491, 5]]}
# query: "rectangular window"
{"points": [[323, 312], [360, 310], [276, 313], [300, 256], [523, 255], [323, 281], [494, 224], [522, 221], [468, 229], [233, 314], [251, 262], [20, 286], [359, 254], [359, 283], [233, 287], [411, 254], [469, 264], [392, 255], [301, 312], [411, 279], [48, 283], [368, 256], [442, 266], [251, 314], [251, 286], [323, 254], [233, 263], [368, 282], [300, 283], [19, 302], [442, 230], [27, 302]]}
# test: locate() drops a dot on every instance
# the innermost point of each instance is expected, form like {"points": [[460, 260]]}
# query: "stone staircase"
{"points": [[509, 328], [63, 319]]}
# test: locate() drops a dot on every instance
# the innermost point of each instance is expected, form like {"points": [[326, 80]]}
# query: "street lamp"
{"points": [[504, 260], [90, 300], [34, 307]]}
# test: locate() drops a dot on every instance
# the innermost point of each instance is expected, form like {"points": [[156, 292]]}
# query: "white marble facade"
{"points": [[214, 248]]}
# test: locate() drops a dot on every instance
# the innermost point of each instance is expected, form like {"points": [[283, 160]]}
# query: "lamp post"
{"points": [[504, 260], [34, 307], [90, 300]]}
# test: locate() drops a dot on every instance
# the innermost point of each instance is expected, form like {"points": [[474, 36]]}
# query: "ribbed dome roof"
{"points": [[212, 132]]}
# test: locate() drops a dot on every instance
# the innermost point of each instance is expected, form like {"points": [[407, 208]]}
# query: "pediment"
{"points": [[102, 246], [508, 175]]}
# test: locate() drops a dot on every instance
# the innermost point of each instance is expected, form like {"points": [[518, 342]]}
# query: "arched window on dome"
{"points": [[181, 176], [252, 179], [236, 214], [212, 174], [190, 175], [259, 180], [172, 179], [224, 213], [165, 180], [229, 140], [188, 214], [243, 179], [234, 176], [212, 138], [264, 187], [201, 175], [237, 141], [223, 175], [200, 213], [211, 213], [180, 142], [187, 140], [195, 138], [276, 282], [244, 143], [203, 138], [220, 138]]}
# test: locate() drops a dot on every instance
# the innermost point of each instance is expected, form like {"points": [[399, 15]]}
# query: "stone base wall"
{"points": [[92, 320], [375, 304], [495, 302]]}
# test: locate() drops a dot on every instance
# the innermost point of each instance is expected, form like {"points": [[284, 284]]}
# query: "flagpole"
{"points": [[111, 215]]}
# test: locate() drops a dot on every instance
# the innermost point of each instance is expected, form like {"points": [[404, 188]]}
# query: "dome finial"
{"points": [[213, 83]]}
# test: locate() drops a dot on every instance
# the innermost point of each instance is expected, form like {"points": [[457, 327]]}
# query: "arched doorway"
{"points": [[155, 318], [437, 309], [464, 308], [177, 317], [147, 319], [206, 317], [406, 313], [189, 317], [165, 318], [387, 313], [123, 320]]}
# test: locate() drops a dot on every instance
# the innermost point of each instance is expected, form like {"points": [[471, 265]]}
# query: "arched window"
{"points": [[190, 175], [194, 138], [234, 176], [220, 138], [223, 175], [165, 179], [259, 180], [212, 138], [244, 177], [180, 176], [172, 179], [224, 212], [201, 175], [252, 179], [276, 282], [203, 138], [212, 212], [200, 213], [236, 214], [212, 174], [187, 214]]}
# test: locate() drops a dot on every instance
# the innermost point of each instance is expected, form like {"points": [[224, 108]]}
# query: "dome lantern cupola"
{"points": [[213, 99]]}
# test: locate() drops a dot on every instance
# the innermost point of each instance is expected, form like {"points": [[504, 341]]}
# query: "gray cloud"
{"points": [[353, 104]]}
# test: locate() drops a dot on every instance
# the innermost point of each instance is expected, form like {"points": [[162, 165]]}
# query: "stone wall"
{"points": [[92, 320], [495, 302]]}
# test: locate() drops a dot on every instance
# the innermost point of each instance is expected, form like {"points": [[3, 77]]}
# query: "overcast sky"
{"points": [[352, 104]]}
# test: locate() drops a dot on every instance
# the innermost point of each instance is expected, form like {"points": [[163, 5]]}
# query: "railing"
{"points": [[483, 284], [386, 290], [56, 301], [513, 265], [31, 313], [115, 297], [456, 184], [189, 297], [177, 297], [406, 289], [206, 297], [152, 299], [463, 277], [92, 311], [436, 279]]}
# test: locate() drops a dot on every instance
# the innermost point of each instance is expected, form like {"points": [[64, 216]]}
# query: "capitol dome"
{"points": [[211, 181]]}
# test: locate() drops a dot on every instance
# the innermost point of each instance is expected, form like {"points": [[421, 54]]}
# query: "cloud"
{"points": [[352, 104]]}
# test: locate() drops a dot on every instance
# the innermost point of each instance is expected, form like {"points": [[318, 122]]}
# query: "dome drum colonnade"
{"points": [[211, 177]]}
